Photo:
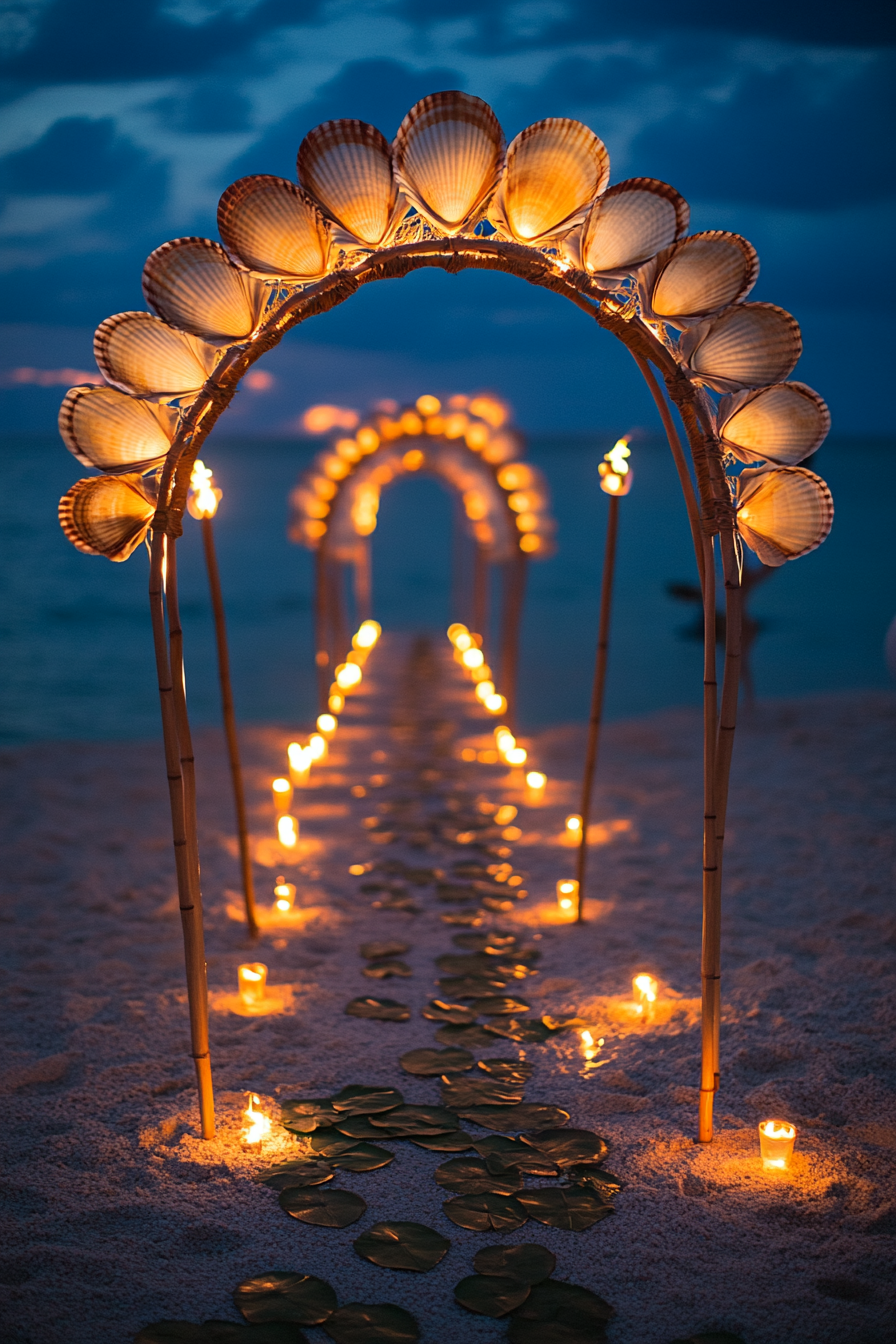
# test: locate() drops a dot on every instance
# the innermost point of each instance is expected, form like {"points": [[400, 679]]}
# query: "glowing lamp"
{"points": [[615, 473], [481, 673], [505, 814], [776, 1140], [288, 832], [536, 780], [258, 1125], [530, 543], [574, 824], [485, 689], [413, 460], [336, 703], [284, 894], [317, 745], [299, 763], [252, 980], [457, 628], [348, 675], [428, 405], [368, 634], [504, 738], [495, 704], [204, 496], [463, 640], [327, 724], [516, 756], [645, 990], [568, 897], [282, 791]]}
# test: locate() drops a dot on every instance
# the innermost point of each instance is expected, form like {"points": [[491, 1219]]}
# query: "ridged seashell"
{"points": [[697, 277], [346, 166], [272, 226], [629, 224], [193, 284], [748, 345], [554, 170], [108, 430], [783, 512], [145, 357], [783, 423], [107, 515], [447, 155]]}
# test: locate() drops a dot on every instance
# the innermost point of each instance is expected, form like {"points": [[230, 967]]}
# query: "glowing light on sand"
{"points": [[535, 785], [252, 980], [284, 894], [495, 704], [318, 747], [776, 1140], [327, 724], [485, 690], [645, 989], [472, 657], [299, 762], [368, 634], [568, 897], [348, 675], [288, 832], [258, 1125], [516, 756], [336, 703], [505, 814], [282, 791], [574, 824]]}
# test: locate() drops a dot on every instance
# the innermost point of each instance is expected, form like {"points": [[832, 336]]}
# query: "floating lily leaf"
{"points": [[358, 1128], [365, 1157], [303, 1117], [383, 1323], [469, 869], [565, 1304], [490, 1296], [566, 1207], [511, 1119], [502, 1154], [384, 970], [432, 1063], [421, 877], [327, 1143], [594, 1178], [568, 1146], [390, 948], [421, 1117], [220, 1332], [384, 1010], [525, 1030], [528, 1263], [449, 892], [356, 1099], [323, 1208], [473, 986], [492, 942], [396, 902], [471, 1176], [295, 1175], [497, 1005], [457, 1141], [285, 1297], [481, 1091], [396, 1245], [469, 963], [472, 1037], [438, 1010], [486, 1213], [508, 1070], [470, 918]]}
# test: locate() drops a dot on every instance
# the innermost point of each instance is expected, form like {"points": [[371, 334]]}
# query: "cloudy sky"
{"points": [[121, 124]]}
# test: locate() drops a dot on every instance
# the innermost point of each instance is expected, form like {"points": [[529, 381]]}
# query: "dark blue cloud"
{"points": [[75, 155]]}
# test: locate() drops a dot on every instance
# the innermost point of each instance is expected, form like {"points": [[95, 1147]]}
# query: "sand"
{"points": [[116, 1214]]}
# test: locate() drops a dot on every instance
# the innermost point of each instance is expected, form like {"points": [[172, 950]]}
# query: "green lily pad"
{"points": [[466, 1038], [473, 986], [364, 1157], [594, 1178], [385, 970], [457, 1141], [486, 1213], [471, 1176], [565, 1304], [512, 1119], [220, 1332], [508, 1070], [323, 1208], [295, 1175], [480, 1091], [358, 1128], [524, 1030], [437, 1010], [568, 1146], [302, 1116], [281, 1296], [432, 1063], [397, 1245], [358, 1323], [527, 1263], [490, 1296], [327, 1143], [356, 1099], [387, 948], [566, 1207], [412, 1118], [501, 1154], [382, 1010], [496, 1005]]}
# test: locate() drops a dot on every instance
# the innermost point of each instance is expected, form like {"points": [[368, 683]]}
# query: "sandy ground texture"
{"points": [[115, 1214]]}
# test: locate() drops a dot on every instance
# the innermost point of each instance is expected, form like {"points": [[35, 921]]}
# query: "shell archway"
{"points": [[448, 193]]}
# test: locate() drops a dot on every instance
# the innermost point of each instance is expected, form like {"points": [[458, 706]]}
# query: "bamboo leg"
{"points": [[233, 746], [340, 640], [710, 968], [187, 886], [323, 653], [597, 696], [510, 635], [363, 581], [480, 590]]}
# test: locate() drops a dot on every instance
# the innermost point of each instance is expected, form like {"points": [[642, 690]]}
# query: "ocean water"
{"points": [[77, 650]]}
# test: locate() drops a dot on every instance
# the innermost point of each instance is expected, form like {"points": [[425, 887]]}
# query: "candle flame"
{"points": [[778, 1129], [288, 831], [645, 988], [574, 823], [536, 780], [258, 1125]]}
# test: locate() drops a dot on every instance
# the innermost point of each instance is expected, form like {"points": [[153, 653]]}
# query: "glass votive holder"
{"points": [[568, 897], [252, 979], [776, 1140]]}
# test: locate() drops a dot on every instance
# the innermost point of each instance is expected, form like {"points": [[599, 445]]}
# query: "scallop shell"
{"points": [[448, 154], [346, 166], [783, 512], [193, 284], [145, 357], [783, 423], [630, 223], [697, 277], [553, 172], [107, 515], [748, 345], [274, 227], [106, 429]]}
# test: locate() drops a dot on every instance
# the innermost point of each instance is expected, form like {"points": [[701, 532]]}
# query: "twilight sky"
{"points": [[121, 124]]}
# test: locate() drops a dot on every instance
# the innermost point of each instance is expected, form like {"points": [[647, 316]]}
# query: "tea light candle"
{"points": [[282, 791], [644, 988], [288, 831], [299, 763], [252, 980], [574, 825], [284, 894], [776, 1140], [568, 897], [515, 756], [535, 786], [327, 724], [318, 747]]}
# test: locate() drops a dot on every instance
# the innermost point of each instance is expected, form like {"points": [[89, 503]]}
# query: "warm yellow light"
{"points": [[530, 542], [574, 823], [645, 988], [204, 496], [252, 982], [475, 505], [515, 476], [335, 468], [413, 459], [284, 894], [258, 1125], [615, 472], [288, 831], [505, 814], [411, 424], [323, 488], [587, 1038], [527, 522], [282, 791], [504, 738], [473, 657], [568, 897], [463, 640], [456, 425], [327, 723], [523, 501], [336, 703], [511, 833], [315, 529], [357, 869], [457, 628], [368, 634], [348, 450], [435, 425], [368, 439], [776, 1140], [484, 690], [476, 437], [516, 756], [299, 763], [536, 780], [321, 419], [348, 675], [481, 673], [489, 409], [495, 704], [317, 746]]}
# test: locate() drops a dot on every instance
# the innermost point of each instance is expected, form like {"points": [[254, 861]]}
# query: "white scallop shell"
{"points": [[783, 423], [447, 155], [553, 171], [346, 166], [106, 429], [748, 345], [107, 515], [273, 227], [697, 277], [145, 357], [783, 512], [627, 225], [193, 284]]}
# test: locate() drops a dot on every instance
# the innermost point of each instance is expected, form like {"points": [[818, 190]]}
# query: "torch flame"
{"points": [[258, 1126]]}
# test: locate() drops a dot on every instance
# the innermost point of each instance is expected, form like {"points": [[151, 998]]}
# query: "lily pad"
{"points": [[471, 1176], [437, 1010], [456, 1141], [391, 947], [566, 1304], [508, 1070], [527, 1263], [364, 1157], [323, 1208], [220, 1332], [490, 1296], [486, 1213], [384, 970], [280, 1296], [501, 1154], [566, 1207], [383, 1010], [470, 918], [495, 1005], [473, 986], [358, 1323], [455, 893], [524, 1030], [358, 1128], [295, 1175], [512, 1119], [466, 963], [418, 1118], [302, 1116], [480, 1091], [594, 1178], [397, 1245], [466, 1038], [482, 942], [499, 905], [568, 1146], [356, 1099], [327, 1143], [432, 1063]]}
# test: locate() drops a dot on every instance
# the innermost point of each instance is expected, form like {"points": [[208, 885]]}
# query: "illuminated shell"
{"points": [[626, 226], [193, 284], [553, 172], [145, 357], [447, 155], [106, 429], [346, 166], [749, 345], [783, 423], [783, 512], [274, 227], [697, 277], [107, 515]]}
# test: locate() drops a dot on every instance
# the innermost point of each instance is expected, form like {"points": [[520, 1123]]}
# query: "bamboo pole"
{"points": [[363, 580], [515, 591], [323, 653], [597, 697], [230, 733], [710, 968], [187, 886], [480, 590]]}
